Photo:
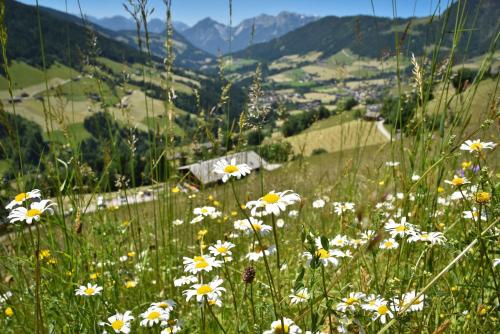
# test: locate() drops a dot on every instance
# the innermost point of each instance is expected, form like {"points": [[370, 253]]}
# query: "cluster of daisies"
{"points": [[28, 207], [379, 308], [158, 314]]}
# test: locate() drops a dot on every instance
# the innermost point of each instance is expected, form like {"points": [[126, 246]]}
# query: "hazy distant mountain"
{"points": [[180, 26], [115, 23], [213, 36], [120, 23]]}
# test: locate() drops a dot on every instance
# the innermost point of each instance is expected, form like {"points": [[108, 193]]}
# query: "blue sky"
{"points": [[191, 11]]}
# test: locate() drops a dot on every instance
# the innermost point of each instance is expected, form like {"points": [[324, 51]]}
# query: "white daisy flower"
{"points": [[205, 211], [273, 203], [253, 225], [392, 163], [457, 181], [415, 177], [293, 214], [340, 241], [215, 302], [319, 203], [167, 305], [350, 303], [356, 243], [399, 229], [200, 263], [20, 198], [222, 167], [389, 244], [185, 280], [367, 235], [289, 327], [33, 213], [341, 207], [474, 214], [431, 237], [89, 290], [259, 252], [119, 322], [476, 145], [221, 248], [382, 311], [6, 296], [153, 316], [406, 299], [210, 291], [299, 296], [326, 257]]}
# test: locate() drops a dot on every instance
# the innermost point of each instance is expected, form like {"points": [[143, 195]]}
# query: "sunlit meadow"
{"points": [[400, 237]]}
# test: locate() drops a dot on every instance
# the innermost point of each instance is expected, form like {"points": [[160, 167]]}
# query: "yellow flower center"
{"points": [[400, 228], [154, 315], [322, 253], [475, 214], [212, 302], [89, 291], [204, 289], [382, 309], [388, 244], [280, 330], [231, 169], [271, 198], [33, 213], [351, 301], [21, 197], [222, 249], [466, 164], [424, 236], [117, 324], [476, 146], [175, 190], [257, 227], [204, 210], [200, 262], [458, 181]]}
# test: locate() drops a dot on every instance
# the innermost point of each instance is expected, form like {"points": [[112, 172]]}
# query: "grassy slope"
{"points": [[337, 137], [24, 75]]}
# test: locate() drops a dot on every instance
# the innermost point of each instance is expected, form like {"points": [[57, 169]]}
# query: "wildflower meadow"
{"points": [[397, 237]]}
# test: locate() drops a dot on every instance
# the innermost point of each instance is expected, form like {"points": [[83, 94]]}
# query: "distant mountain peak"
{"points": [[213, 36]]}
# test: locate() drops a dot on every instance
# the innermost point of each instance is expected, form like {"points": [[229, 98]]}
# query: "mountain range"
{"points": [[212, 36], [120, 23]]}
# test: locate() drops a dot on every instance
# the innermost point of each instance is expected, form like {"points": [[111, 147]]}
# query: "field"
{"points": [[335, 138]]}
